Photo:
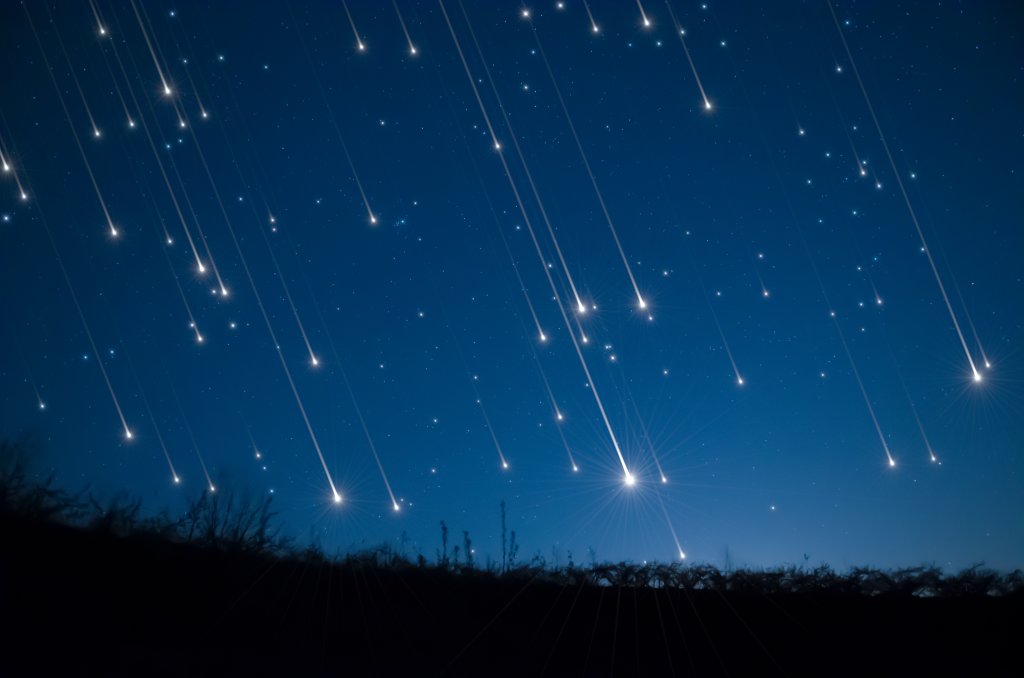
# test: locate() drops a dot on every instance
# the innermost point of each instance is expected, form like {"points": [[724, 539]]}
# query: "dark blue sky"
{"points": [[425, 313]]}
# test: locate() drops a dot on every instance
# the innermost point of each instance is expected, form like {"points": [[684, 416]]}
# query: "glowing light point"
{"points": [[128, 434], [581, 309], [373, 219], [362, 46], [181, 123], [559, 417], [525, 13], [24, 196], [504, 465], [764, 293], [96, 132], [664, 480], [337, 498], [131, 123], [202, 269], [223, 291], [595, 29], [643, 304], [177, 480], [543, 338], [977, 376], [739, 381], [200, 338], [892, 463], [630, 480], [213, 488], [103, 31], [204, 115], [167, 91], [988, 365], [313, 361], [497, 145], [682, 556], [575, 468], [412, 51], [396, 507], [42, 405], [707, 105]]}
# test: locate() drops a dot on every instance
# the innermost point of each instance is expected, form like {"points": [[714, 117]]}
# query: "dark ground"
{"points": [[86, 603]]}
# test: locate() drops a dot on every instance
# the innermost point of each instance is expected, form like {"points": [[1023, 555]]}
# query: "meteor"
{"points": [[586, 163], [671, 528], [408, 39], [8, 168], [100, 27], [906, 198], [266, 319], [360, 45], [536, 244], [594, 28], [680, 33], [81, 316], [644, 19], [166, 87], [334, 121], [67, 116]]}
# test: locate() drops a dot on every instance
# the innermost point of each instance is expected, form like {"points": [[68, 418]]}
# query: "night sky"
{"points": [[748, 214]]}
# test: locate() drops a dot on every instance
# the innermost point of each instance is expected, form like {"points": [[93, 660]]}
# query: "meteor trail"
{"points": [[643, 15], [586, 163], [156, 62], [8, 168], [85, 325], [594, 28], [906, 198], [405, 30], [680, 33], [629, 478], [100, 27], [266, 319], [334, 121], [360, 45], [71, 124]]}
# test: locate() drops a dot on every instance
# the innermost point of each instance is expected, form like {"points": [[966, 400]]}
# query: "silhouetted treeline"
{"points": [[220, 589]]}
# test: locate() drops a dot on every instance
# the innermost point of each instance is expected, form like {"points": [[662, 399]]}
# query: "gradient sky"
{"points": [[424, 311]]}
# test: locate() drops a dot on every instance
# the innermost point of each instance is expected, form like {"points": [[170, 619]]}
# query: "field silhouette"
{"points": [[94, 589]]}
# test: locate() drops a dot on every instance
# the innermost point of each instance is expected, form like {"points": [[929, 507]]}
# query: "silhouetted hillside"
{"points": [[88, 589]]}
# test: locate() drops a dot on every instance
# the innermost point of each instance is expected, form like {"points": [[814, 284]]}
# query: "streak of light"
{"points": [[334, 122], [405, 30], [594, 28], [586, 163], [159, 436], [906, 198], [863, 391], [85, 325], [360, 45], [67, 115], [155, 217], [490, 430], [166, 87], [547, 273], [266, 319], [191, 436], [680, 33], [100, 26], [200, 267], [644, 19], [9, 168], [671, 528]]}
